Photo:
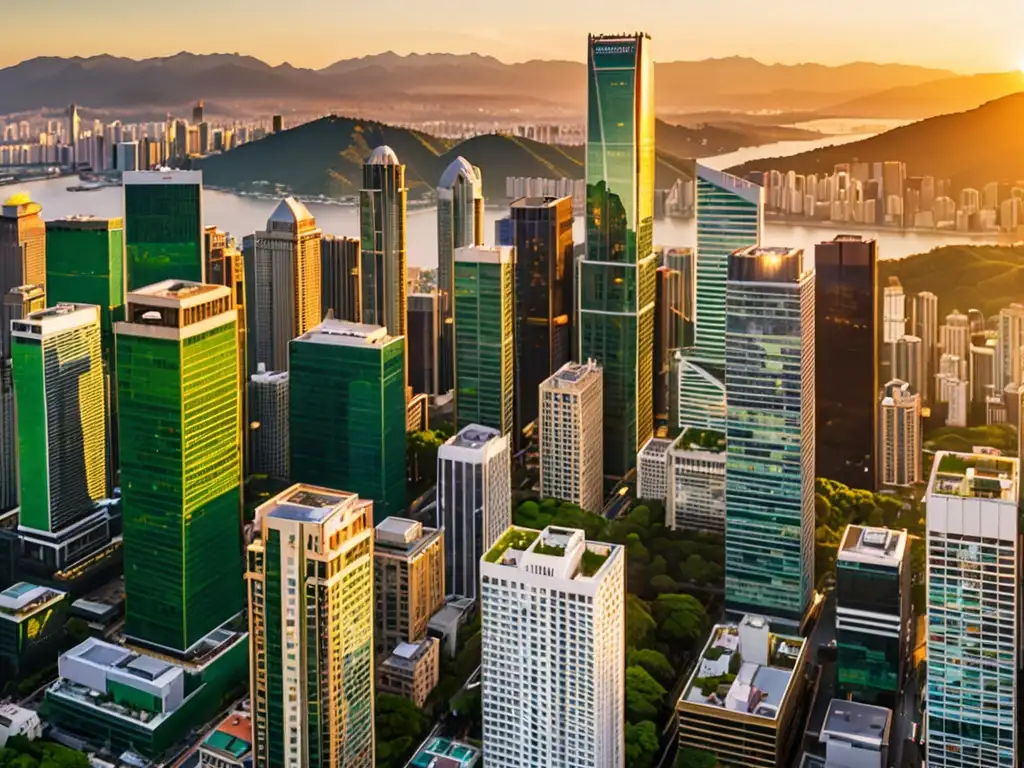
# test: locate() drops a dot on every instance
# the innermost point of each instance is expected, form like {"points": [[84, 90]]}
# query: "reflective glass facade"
{"points": [[163, 232], [617, 275], [382, 240], [769, 546]]}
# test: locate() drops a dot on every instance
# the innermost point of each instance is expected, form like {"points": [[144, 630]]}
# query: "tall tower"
{"points": [[484, 337], [181, 452], [22, 243], [382, 234], [899, 444], [542, 236], [285, 277], [617, 280], [74, 128], [460, 224], [924, 324], [347, 411], [311, 665], [163, 227], [340, 277], [846, 359], [769, 374]]}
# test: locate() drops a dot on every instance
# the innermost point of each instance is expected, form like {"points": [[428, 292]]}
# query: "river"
{"points": [[240, 215]]}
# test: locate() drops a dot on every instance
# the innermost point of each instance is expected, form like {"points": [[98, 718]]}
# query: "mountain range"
{"points": [[732, 84]]}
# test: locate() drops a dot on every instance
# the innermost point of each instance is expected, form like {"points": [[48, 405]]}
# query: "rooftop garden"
{"points": [[591, 562], [514, 538], [706, 439], [952, 464], [552, 550]]}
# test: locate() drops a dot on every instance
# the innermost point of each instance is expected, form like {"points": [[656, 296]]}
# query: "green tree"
{"points": [[680, 618], [695, 758], [641, 744], [662, 584], [398, 726], [639, 622], [654, 662], [644, 695]]}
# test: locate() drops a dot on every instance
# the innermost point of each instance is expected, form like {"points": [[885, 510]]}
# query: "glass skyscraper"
{"points": [[617, 274], [181, 452], [769, 377], [163, 227], [382, 238]]}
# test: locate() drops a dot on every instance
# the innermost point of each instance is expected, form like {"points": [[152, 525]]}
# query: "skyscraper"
{"points": [[484, 337], [908, 361], [1009, 364], [542, 236], [74, 128], [311, 665], [163, 227], [769, 375], [955, 335], [924, 323], [382, 235], [572, 716], [424, 337], [268, 430], [673, 328], [181, 451], [571, 436], [616, 312], [340, 277], [899, 445], [460, 224], [973, 611], [846, 359], [356, 440], [22, 243], [285, 283], [894, 311], [474, 503]]}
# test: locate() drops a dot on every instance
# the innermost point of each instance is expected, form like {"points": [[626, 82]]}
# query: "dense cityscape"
{"points": [[279, 499]]}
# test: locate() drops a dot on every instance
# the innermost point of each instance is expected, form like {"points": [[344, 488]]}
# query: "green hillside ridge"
{"points": [[971, 148]]}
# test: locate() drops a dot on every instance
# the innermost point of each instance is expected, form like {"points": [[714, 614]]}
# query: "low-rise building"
{"points": [[18, 721], [412, 670], [652, 469], [444, 625], [696, 482], [439, 752], [31, 628], [856, 735], [742, 700], [229, 745]]}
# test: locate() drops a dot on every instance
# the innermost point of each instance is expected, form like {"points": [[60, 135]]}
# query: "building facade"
{"points": [[22, 243], [269, 443], [899, 435], [924, 324], [382, 239], [424, 337], [340, 277]]}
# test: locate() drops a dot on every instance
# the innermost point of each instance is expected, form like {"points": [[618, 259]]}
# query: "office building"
{"points": [[460, 224], [846, 359], [484, 337], [955, 335], [31, 628], [924, 324], [126, 156], [181, 451], [742, 699], [982, 370], [163, 227], [269, 428], [856, 735], [412, 670], [542, 236], [769, 374], [356, 441], [553, 670], [311, 648], [873, 613], [424, 338], [74, 127], [616, 325], [908, 361], [1010, 329], [503, 232], [474, 502], [408, 582], [652, 469], [899, 436], [340, 271], [284, 284], [973, 638], [673, 329], [695, 482], [22, 243], [382, 236], [571, 436]]}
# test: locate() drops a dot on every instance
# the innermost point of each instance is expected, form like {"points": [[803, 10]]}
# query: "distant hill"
{"points": [[971, 148], [706, 139], [953, 94]]}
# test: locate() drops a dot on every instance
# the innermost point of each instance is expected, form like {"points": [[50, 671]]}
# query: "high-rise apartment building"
{"points": [[163, 227], [542, 236], [908, 361], [460, 224], [284, 284], [408, 582], [899, 434], [1010, 339], [924, 324], [982, 370], [340, 272], [474, 502], [181, 452], [382, 236], [269, 443], [310, 583], [22, 243], [484, 337], [553, 668], [973, 638], [424, 338], [356, 441], [955, 335], [617, 280], [769, 375], [846, 359], [894, 311], [571, 435], [873, 612]]}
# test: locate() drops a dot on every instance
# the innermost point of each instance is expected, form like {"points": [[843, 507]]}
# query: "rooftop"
{"points": [[161, 176], [485, 254], [748, 190], [694, 439], [305, 503], [876, 546], [548, 201], [474, 436], [459, 166], [79, 222], [345, 334], [177, 292], [571, 374], [656, 448], [455, 753], [579, 559], [407, 655], [402, 537], [24, 599], [974, 475], [290, 213], [55, 320], [232, 738], [382, 155], [863, 724]]}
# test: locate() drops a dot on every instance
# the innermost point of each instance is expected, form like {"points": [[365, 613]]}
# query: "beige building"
{"points": [[899, 435], [571, 429], [412, 670], [408, 576]]}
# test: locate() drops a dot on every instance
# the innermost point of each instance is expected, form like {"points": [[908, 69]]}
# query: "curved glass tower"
{"points": [[617, 275], [382, 232]]}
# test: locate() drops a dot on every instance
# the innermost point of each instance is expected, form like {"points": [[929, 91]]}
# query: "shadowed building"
{"points": [[163, 227], [424, 337], [382, 236], [340, 277]]}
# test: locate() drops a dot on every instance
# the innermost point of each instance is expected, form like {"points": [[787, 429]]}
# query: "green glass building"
{"points": [[347, 412], [61, 413], [382, 241], [484, 337], [178, 398], [617, 274], [163, 227]]}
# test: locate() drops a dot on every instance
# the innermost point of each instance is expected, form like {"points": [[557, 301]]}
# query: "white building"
{"points": [[652, 469], [474, 501], [973, 611], [1009, 340], [18, 721], [955, 335], [571, 426], [696, 482], [553, 651], [899, 435], [894, 314], [856, 735]]}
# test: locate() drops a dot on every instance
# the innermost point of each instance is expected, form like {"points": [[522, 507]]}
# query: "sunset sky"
{"points": [[975, 36]]}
